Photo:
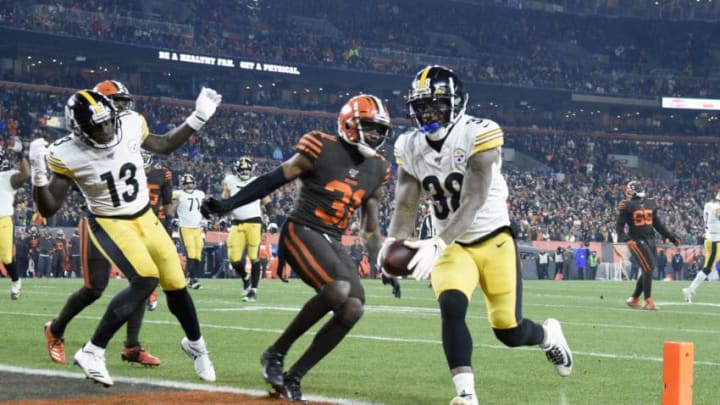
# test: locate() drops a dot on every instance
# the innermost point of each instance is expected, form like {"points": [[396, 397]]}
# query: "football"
{"points": [[396, 258]]}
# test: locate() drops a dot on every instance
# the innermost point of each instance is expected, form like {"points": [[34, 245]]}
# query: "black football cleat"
{"points": [[291, 391], [272, 368]]}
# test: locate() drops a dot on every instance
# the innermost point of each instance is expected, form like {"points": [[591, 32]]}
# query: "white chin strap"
{"points": [[439, 134], [366, 150]]}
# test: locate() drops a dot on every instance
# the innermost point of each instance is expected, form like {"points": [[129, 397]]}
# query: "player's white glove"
{"points": [[205, 106], [381, 254], [38, 166], [428, 250]]}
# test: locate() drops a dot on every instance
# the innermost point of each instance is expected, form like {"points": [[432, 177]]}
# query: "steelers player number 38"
{"points": [[445, 196]]}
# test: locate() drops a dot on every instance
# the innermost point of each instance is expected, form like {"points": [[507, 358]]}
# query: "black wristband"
{"points": [[256, 189]]}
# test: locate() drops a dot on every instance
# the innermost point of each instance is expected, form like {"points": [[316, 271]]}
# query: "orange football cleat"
{"points": [[633, 302], [649, 305], [55, 346], [137, 354]]}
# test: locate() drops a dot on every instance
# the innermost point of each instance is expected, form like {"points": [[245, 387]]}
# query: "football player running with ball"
{"points": [[338, 174], [456, 160], [102, 157]]}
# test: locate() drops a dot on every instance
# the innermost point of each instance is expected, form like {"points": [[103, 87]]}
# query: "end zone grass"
{"points": [[394, 355]]}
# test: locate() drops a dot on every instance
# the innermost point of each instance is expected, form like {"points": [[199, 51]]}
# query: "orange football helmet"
{"points": [[117, 92], [364, 121]]}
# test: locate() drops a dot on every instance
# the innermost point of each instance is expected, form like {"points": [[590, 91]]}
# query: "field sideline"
{"points": [[394, 355]]}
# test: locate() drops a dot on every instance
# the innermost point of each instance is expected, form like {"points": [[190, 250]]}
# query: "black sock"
{"points": [[133, 326], [12, 271], [76, 303], [638, 287], [255, 274], [309, 315], [181, 305], [646, 279], [121, 308], [239, 268], [324, 342]]}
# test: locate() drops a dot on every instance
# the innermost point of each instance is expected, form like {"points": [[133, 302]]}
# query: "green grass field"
{"points": [[394, 355]]}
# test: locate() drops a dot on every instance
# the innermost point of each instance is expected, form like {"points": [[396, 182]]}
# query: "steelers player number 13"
{"points": [[126, 173]]}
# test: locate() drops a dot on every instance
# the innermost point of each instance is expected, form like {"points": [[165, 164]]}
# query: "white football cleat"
{"points": [[688, 294], [557, 350], [197, 351], [15, 287], [93, 365]]}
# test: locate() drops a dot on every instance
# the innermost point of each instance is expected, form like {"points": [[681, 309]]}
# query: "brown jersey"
{"points": [[159, 180], [640, 214], [341, 180]]}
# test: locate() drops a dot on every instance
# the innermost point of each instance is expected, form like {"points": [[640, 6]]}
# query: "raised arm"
{"points": [[205, 106]]}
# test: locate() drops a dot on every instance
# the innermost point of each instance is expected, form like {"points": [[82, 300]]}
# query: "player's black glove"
{"points": [[212, 206], [675, 239], [395, 285]]}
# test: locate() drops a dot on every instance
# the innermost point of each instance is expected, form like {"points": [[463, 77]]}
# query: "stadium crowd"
{"points": [[571, 194], [517, 46]]}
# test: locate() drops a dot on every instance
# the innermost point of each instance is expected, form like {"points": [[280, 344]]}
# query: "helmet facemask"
{"points": [[147, 158], [117, 92], [436, 101], [364, 121], [634, 190], [244, 168], [123, 103]]}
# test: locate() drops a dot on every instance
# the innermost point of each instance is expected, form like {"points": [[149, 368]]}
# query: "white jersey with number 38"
{"points": [[112, 180], [441, 173]]}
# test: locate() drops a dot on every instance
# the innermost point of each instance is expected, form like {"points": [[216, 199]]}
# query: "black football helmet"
{"points": [[634, 189], [188, 182], [93, 118], [436, 101], [244, 167]]}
